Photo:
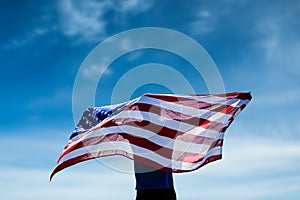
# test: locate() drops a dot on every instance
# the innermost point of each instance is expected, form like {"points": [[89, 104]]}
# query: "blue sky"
{"points": [[255, 45]]}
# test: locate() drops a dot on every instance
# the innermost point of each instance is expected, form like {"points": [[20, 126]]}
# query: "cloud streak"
{"points": [[83, 19], [251, 168], [87, 21], [89, 183]]}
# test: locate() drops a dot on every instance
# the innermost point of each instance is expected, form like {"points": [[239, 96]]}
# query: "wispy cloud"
{"points": [[278, 41], [41, 23], [276, 188], [87, 20], [252, 168], [135, 6], [203, 23], [92, 72], [90, 183], [27, 37], [83, 19]]}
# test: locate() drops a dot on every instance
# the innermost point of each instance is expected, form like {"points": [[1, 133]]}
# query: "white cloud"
{"points": [[252, 168], [88, 183], [269, 66], [215, 188], [83, 19], [92, 72], [203, 23], [130, 43], [278, 42], [126, 44], [39, 26], [86, 21], [250, 155], [27, 37], [135, 6]]}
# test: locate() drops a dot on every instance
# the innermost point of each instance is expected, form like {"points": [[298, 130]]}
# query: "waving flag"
{"points": [[176, 133]]}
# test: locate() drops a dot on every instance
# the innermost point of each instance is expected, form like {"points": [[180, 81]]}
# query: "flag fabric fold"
{"points": [[175, 133]]}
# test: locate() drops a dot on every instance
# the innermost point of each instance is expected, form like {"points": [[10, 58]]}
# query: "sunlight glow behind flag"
{"points": [[176, 133]]}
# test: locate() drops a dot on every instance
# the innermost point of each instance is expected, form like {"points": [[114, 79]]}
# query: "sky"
{"points": [[255, 45]]}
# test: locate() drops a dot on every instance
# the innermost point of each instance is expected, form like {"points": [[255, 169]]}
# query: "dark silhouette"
{"points": [[153, 184]]}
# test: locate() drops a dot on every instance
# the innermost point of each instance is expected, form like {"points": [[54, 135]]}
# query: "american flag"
{"points": [[175, 133]]}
